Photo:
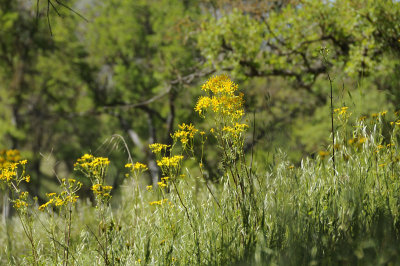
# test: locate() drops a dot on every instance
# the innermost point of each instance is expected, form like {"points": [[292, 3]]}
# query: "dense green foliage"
{"points": [[110, 77], [69, 84]]}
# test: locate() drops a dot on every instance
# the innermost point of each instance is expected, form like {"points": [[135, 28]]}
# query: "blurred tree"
{"points": [[145, 55], [43, 85], [282, 44]]}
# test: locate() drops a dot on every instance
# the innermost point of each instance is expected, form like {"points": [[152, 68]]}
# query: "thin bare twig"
{"points": [[332, 127], [70, 9], [252, 142], [55, 9], [48, 17]]}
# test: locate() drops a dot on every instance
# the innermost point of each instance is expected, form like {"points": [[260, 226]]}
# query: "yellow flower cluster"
{"points": [[21, 203], [9, 156], [341, 111], [70, 186], [164, 182], [44, 206], [12, 175], [137, 166], [221, 98], [220, 84], [170, 161], [381, 147], [59, 200], [159, 202], [158, 147], [88, 161], [102, 191], [94, 168], [9, 172], [377, 115], [161, 184], [362, 118], [236, 129], [323, 154], [185, 133], [358, 141]]}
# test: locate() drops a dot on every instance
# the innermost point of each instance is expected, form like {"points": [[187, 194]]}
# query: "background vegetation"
{"points": [[109, 78]]}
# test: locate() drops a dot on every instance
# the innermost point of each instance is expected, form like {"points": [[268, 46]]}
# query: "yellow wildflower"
{"points": [[323, 154], [44, 206], [202, 104], [362, 118], [107, 188], [185, 133], [170, 161], [157, 147], [341, 111], [140, 166], [159, 202], [94, 167], [71, 199], [221, 98], [161, 184], [18, 204], [96, 187], [362, 140], [58, 201]]}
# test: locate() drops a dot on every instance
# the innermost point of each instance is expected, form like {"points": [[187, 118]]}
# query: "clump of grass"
{"points": [[287, 214]]}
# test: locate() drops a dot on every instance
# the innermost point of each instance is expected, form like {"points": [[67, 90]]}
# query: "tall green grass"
{"points": [[284, 214]]}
